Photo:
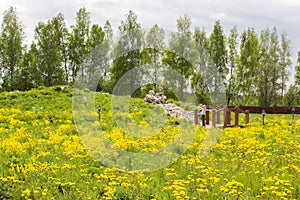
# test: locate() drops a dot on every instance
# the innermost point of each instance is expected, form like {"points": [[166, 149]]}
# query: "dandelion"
{"points": [[26, 192], [45, 191], [3, 179]]}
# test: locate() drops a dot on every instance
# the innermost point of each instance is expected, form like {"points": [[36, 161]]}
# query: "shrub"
{"points": [[57, 88]]}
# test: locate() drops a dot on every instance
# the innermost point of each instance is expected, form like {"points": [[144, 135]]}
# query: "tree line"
{"points": [[247, 68]]}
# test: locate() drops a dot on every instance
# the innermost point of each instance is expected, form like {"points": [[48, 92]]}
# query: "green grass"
{"points": [[43, 157], [258, 117]]}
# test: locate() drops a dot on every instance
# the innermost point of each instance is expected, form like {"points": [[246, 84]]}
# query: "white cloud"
{"points": [[288, 2]]}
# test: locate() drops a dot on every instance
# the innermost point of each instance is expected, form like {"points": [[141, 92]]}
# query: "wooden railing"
{"points": [[271, 109], [236, 111], [216, 116], [197, 114]]}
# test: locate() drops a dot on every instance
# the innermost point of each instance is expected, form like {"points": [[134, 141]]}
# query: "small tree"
{"points": [[11, 46], [233, 63], [128, 51], [247, 69], [291, 98], [78, 43], [297, 69], [154, 47], [48, 54], [218, 53], [181, 56]]}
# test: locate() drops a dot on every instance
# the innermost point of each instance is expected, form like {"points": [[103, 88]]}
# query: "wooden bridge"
{"points": [[226, 115]]}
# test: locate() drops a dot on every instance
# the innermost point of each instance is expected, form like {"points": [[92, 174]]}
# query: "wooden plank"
{"points": [[214, 117], [269, 110], [196, 117], [247, 117], [218, 116], [207, 117], [236, 116]]}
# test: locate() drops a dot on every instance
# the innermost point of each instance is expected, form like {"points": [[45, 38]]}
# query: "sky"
{"points": [[259, 14]]}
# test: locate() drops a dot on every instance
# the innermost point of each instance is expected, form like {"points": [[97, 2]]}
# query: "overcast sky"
{"points": [[284, 14]]}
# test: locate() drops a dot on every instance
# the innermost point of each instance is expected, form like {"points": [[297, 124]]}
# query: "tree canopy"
{"points": [[250, 68]]}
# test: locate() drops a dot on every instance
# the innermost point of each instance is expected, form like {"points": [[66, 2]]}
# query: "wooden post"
{"points": [[218, 117], [247, 117], [226, 117], [236, 116], [225, 123], [214, 118], [229, 117], [196, 117], [207, 117]]}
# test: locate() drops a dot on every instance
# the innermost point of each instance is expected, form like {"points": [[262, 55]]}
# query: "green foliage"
{"points": [[128, 61], [155, 46], [170, 94], [62, 40], [27, 77], [129, 52], [292, 97], [297, 69], [42, 156], [181, 55], [200, 88], [218, 53], [105, 85], [248, 69], [269, 69], [233, 56], [201, 79], [78, 42], [48, 54], [202, 44], [95, 61], [11, 46], [284, 63], [57, 88], [141, 92]]}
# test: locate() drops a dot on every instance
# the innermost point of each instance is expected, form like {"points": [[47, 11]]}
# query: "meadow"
{"points": [[43, 157]]}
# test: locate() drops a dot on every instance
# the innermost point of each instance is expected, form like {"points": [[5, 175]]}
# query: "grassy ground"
{"points": [[42, 155], [289, 117]]}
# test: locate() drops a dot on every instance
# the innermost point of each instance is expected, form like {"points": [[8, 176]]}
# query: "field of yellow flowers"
{"points": [[43, 157]]}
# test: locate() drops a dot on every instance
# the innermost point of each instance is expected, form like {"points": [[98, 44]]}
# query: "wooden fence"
{"points": [[270, 110], [216, 116], [237, 110]]}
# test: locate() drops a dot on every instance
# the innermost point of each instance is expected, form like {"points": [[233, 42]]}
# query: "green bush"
{"points": [[169, 94], [41, 88], [57, 88], [141, 92]]}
